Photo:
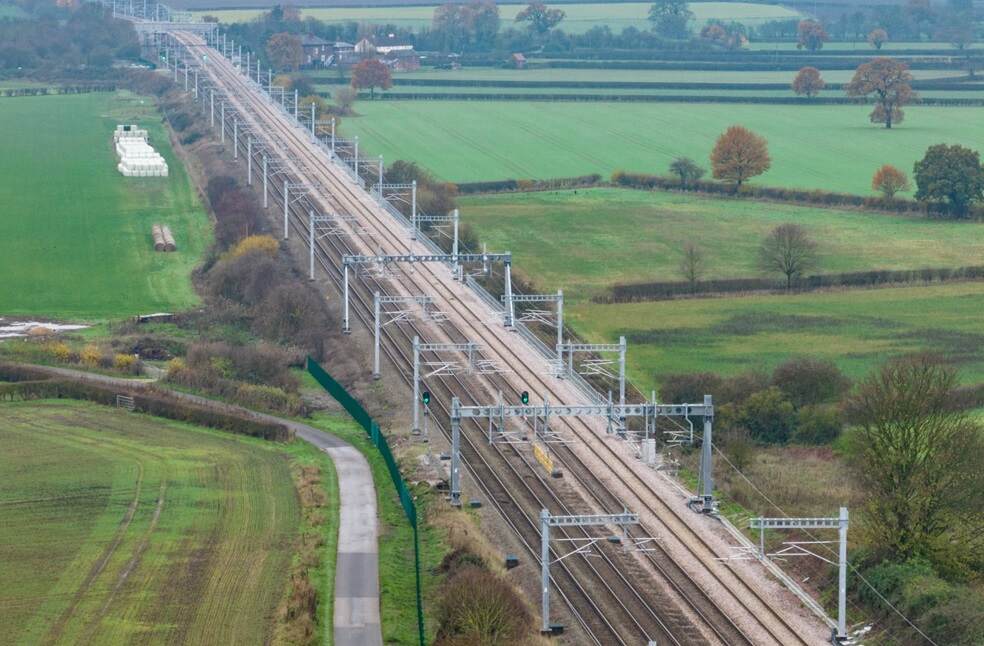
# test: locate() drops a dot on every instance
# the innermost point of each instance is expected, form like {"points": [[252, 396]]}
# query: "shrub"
{"points": [[689, 388], [810, 381], [817, 425], [255, 244], [59, 351], [191, 137], [768, 416], [91, 355], [478, 607], [125, 362], [175, 365]]}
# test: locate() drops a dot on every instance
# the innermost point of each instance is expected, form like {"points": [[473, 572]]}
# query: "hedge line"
{"points": [[508, 185], [663, 290], [57, 89], [827, 198], [723, 66], [34, 383], [708, 54], [654, 85], [649, 98]]}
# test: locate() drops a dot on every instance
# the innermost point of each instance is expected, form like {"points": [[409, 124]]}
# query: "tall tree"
{"points": [[541, 17], [889, 180], [877, 38], [284, 51], [811, 35], [687, 170], [371, 73], [483, 21], [670, 18], [788, 250], [738, 155], [808, 82], [952, 175], [889, 81], [917, 460], [692, 264]]}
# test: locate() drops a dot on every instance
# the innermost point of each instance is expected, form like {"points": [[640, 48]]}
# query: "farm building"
{"points": [[317, 51]]}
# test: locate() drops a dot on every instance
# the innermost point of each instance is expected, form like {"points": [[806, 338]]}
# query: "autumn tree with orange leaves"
{"points": [[371, 73], [738, 155], [808, 82], [889, 180], [888, 80]]}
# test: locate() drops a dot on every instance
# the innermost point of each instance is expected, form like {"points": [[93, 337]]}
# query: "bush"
{"points": [[808, 381], [59, 351], [690, 388], [126, 363], [817, 425], [768, 416], [477, 607], [255, 244], [91, 355]]}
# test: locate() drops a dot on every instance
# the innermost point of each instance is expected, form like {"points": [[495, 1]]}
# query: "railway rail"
{"points": [[608, 604]]}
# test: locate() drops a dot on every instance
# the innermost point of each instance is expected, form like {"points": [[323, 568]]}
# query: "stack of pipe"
{"points": [[158, 233], [168, 239]]}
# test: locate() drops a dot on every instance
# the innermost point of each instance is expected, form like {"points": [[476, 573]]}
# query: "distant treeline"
{"points": [[56, 89], [665, 290]]}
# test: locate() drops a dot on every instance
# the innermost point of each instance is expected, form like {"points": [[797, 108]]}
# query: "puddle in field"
{"points": [[15, 329]]}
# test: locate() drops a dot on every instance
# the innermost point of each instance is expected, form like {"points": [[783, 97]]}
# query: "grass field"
{"points": [[580, 17], [857, 329], [75, 234], [585, 241], [123, 528], [464, 141]]}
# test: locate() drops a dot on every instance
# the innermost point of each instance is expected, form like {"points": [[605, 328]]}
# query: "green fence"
{"points": [[359, 414]]}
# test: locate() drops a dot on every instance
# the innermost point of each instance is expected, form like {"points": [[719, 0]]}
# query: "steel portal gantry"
{"points": [[795, 548], [383, 260], [398, 316], [547, 520], [610, 411]]}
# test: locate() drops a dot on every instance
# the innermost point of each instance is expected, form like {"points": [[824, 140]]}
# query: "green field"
{"points": [[75, 234], [823, 147], [580, 17], [857, 329], [124, 528], [586, 241]]}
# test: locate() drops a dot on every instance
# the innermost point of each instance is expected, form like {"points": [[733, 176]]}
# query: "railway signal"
{"points": [[426, 398], [525, 397]]}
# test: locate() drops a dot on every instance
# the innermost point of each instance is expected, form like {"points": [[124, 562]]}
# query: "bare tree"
{"points": [[692, 264], [788, 250]]}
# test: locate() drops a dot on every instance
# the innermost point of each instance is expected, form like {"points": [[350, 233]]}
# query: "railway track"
{"points": [[617, 610]]}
